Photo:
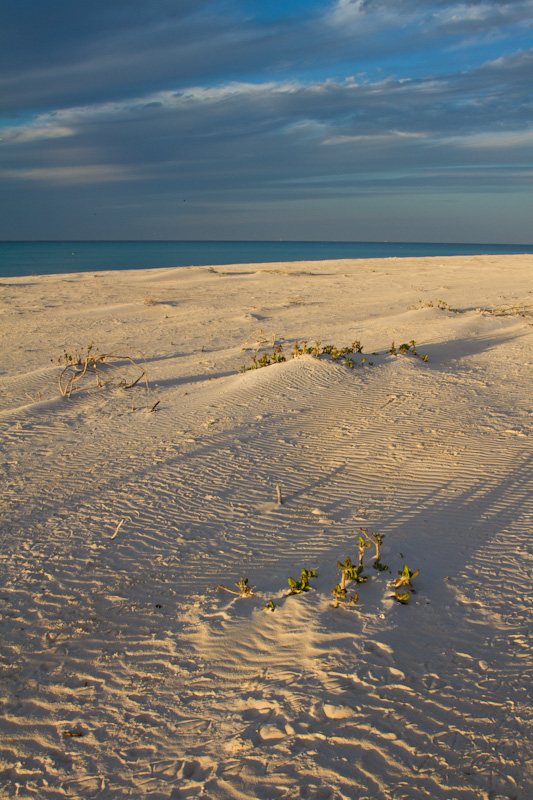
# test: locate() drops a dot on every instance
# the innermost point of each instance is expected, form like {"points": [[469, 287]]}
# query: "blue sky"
{"points": [[348, 120]]}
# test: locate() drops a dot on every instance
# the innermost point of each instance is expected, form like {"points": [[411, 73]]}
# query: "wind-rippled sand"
{"points": [[125, 674]]}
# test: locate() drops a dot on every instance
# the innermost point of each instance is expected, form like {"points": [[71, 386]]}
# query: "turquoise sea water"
{"points": [[49, 258]]}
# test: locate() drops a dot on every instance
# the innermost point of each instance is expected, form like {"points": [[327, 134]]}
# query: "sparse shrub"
{"points": [[81, 367]]}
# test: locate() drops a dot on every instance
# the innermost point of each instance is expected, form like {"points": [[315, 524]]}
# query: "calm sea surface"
{"points": [[49, 258]]}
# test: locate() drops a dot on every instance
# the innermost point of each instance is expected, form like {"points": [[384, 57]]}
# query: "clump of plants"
{"points": [[276, 357], [340, 595], [348, 572], [405, 349], [351, 356], [74, 356], [297, 587], [404, 578]]}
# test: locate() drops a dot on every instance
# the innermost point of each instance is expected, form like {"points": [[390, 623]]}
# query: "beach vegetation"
{"points": [[74, 355], [402, 598], [340, 595], [297, 587], [351, 356], [442, 305], [244, 589], [509, 310], [85, 368], [348, 571], [405, 577], [362, 545], [33, 399], [351, 572], [405, 349], [377, 540]]}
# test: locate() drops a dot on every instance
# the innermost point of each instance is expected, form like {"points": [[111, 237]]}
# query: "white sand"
{"points": [[180, 691]]}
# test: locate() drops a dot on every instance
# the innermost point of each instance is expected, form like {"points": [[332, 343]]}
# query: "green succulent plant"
{"points": [[297, 587], [405, 576], [401, 598], [341, 595], [361, 546], [242, 586]]}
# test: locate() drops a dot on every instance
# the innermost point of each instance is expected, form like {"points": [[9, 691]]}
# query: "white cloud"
{"points": [[93, 173], [495, 139], [34, 132], [381, 137]]}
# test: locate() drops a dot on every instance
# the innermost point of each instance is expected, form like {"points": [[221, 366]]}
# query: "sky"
{"points": [[354, 120]]}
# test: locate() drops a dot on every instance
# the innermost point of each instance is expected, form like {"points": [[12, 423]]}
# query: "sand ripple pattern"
{"points": [[126, 674]]}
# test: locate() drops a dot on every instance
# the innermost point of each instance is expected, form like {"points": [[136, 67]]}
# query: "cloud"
{"points": [[450, 16], [143, 105], [73, 176], [34, 132], [244, 137], [58, 54], [497, 140]]}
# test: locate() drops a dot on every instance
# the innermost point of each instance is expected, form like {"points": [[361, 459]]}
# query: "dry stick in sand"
{"points": [[504, 310], [117, 528], [278, 493]]}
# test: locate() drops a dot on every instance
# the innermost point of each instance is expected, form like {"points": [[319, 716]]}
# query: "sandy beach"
{"points": [[125, 673]]}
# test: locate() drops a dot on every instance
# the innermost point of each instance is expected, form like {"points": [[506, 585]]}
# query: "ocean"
{"points": [[49, 258]]}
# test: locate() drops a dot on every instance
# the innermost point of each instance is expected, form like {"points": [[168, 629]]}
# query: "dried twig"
{"points": [[506, 310], [117, 528]]}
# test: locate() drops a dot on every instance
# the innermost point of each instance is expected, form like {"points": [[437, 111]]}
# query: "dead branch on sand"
{"points": [[102, 368]]}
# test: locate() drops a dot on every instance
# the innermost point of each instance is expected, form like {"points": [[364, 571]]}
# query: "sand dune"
{"points": [[125, 673]]}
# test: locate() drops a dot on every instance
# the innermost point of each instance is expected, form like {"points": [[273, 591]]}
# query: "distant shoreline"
{"points": [[19, 258]]}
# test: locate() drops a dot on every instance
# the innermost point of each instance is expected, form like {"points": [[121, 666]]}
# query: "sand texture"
{"points": [[126, 674]]}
